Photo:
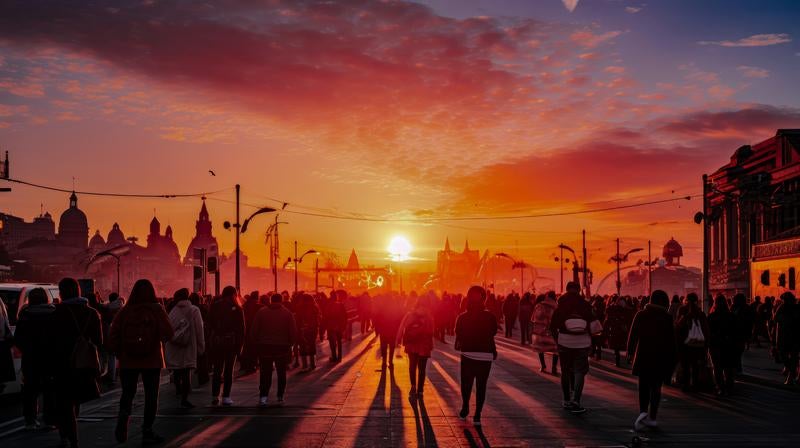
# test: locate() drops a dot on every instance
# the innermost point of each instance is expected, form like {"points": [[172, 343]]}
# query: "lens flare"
{"points": [[399, 248]]}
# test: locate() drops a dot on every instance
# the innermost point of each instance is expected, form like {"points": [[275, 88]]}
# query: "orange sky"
{"points": [[378, 110]]}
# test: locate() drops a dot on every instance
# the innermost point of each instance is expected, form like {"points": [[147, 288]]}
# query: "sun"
{"points": [[399, 248]]}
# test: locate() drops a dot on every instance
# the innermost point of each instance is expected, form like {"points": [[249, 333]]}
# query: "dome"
{"points": [[73, 227], [672, 252], [115, 236], [97, 242]]}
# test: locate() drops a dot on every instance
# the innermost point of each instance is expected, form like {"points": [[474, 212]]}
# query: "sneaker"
{"points": [[476, 420], [280, 401], [568, 405], [650, 423], [463, 414], [226, 401], [262, 402], [578, 409], [215, 401], [148, 436], [639, 424], [31, 427]]}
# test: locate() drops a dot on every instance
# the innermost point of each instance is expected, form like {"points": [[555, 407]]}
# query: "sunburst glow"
{"points": [[399, 248]]}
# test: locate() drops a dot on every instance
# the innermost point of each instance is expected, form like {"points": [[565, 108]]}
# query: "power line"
{"points": [[118, 195]]}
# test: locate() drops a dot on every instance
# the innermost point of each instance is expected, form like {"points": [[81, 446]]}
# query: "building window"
{"points": [[792, 284]]}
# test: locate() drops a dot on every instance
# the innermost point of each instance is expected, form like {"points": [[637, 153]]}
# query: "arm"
{"points": [[97, 329], [633, 336], [199, 334], [401, 330], [164, 326], [114, 333], [241, 331]]}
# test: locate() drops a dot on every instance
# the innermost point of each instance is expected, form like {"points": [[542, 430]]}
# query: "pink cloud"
{"points": [[753, 72], [589, 39], [756, 40]]}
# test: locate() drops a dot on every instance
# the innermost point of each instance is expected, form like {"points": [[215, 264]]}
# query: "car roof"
{"points": [[12, 286]]}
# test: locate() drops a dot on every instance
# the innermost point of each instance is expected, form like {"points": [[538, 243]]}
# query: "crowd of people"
{"points": [[68, 347]]}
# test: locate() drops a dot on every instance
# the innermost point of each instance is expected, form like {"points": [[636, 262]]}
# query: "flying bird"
{"points": [[212, 173]]}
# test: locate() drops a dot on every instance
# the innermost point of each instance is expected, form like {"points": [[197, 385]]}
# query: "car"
{"points": [[15, 298]]}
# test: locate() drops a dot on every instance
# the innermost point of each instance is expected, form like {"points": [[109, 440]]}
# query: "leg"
{"points": [[339, 345], [150, 381], [581, 366], [617, 357], [467, 378], [555, 364], [542, 363], [280, 368], [413, 359], [655, 397], [644, 393], [391, 352], [482, 377], [384, 348], [422, 369], [216, 376], [265, 376], [30, 398], [566, 375], [129, 379], [230, 361], [332, 345]]}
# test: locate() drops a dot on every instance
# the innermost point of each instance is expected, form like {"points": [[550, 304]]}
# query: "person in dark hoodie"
{"points": [[274, 333], [525, 313], [226, 330], [475, 330], [33, 336], [248, 360], [136, 337], [651, 347], [723, 344], [572, 325], [76, 324], [787, 335]]}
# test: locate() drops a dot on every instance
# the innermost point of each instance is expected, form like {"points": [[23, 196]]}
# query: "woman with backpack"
{"points": [[136, 335], [226, 322], [543, 340], [187, 342], [416, 335]]}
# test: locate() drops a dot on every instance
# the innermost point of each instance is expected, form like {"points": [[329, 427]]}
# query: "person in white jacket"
{"points": [[189, 341]]}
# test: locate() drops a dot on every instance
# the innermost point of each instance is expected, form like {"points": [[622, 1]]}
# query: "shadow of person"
{"points": [[424, 429]]}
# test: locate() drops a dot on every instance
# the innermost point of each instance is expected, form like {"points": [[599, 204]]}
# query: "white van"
{"points": [[15, 298]]}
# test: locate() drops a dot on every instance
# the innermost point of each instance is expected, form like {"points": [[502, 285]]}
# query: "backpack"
{"points": [[84, 352], [695, 337], [140, 333], [414, 330], [183, 333]]}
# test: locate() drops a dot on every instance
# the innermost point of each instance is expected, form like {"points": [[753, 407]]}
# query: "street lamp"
{"points": [[241, 228], [521, 265], [562, 247], [619, 259], [114, 252], [297, 261]]}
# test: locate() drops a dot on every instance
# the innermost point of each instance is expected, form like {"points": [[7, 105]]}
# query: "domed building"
{"points": [[203, 238], [115, 236], [73, 227], [97, 243], [672, 252]]}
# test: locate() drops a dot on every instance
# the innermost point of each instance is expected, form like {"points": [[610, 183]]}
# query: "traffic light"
{"points": [[197, 278]]}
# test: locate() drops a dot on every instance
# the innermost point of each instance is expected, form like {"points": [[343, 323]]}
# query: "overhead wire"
{"points": [[120, 195]]}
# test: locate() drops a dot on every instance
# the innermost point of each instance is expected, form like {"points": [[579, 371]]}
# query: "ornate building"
{"points": [[14, 231], [203, 238], [73, 227], [753, 201], [457, 271]]}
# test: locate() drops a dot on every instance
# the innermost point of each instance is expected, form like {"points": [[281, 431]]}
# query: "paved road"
{"points": [[354, 404]]}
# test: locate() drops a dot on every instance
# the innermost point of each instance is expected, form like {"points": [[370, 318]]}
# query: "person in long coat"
{"points": [[616, 325], [723, 345], [180, 354], [787, 334], [543, 341], [308, 320], [651, 345]]}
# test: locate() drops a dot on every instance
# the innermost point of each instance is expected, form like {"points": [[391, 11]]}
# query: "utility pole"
{"points": [[316, 275], [649, 268], [4, 173], [276, 255], [706, 245], [561, 259], [295, 267], [618, 260], [585, 263], [238, 253]]}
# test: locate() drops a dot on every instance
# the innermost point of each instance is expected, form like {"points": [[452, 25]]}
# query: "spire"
{"points": [[155, 226], [168, 232], [73, 200], [447, 244], [203, 211], [352, 262], [466, 246]]}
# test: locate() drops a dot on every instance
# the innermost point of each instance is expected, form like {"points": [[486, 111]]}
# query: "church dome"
{"points": [[672, 252], [115, 236], [73, 227], [97, 242]]}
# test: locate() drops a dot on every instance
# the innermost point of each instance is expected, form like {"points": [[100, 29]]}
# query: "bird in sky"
{"points": [[212, 173]]}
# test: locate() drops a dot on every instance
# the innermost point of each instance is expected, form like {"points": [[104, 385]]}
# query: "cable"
{"points": [[123, 195]]}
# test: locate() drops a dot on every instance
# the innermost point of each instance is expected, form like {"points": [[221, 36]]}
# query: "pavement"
{"points": [[355, 404]]}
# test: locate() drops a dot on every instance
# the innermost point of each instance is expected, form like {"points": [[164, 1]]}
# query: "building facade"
{"points": [[752, 201]]}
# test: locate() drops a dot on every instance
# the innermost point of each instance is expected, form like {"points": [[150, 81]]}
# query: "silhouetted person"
{"points": [[274, 333], [308, 320], [33, 337], [136, 337], [651, 346], [416, 334], [722, 344], [335, 324], [572, 327], [745, 320], [475, 330], [510, 313], [76, 368], [543, 340], [187, 342], [227, 331], [787, 334], [525, 313], [248, 360], [110, 311], [7, 371], [692, 335], [616, 325], [388, 317]]}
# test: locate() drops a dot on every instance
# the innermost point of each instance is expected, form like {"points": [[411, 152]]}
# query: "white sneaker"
{"points": [[650, 423], [226, 401], [262, 402], [639, 423]]}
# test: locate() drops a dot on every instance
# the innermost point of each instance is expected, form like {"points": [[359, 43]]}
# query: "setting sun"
{"points": [[399, 248]]}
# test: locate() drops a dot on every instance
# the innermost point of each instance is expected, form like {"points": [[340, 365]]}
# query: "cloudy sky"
{"points": [[394, 110]]}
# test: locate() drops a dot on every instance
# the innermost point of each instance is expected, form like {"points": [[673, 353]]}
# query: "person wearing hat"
{"points": [[572, 325]]}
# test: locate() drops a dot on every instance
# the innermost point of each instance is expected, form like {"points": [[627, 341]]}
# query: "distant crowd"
{"points": [[71, 347]]}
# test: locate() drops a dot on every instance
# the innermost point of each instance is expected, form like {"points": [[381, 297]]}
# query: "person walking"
{"points": [[651, 347], [692, 335], [745, 319], [7, 371], [510, 313], [227, 330], [543, 341], [115, 303], [525, 313], [722, 344], [308, 320], [76, 361], [248, 360], [32, 337], [274, 333], [617, 325], [388, 317], [335, 324], [475, 330], [572, 326], [416, 335], [136, 338], [187, 342], [787, 335]]}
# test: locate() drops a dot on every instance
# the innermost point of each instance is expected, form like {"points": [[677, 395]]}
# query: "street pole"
{"points": [[522, 278], [706, 249], [276, 255], [118, 287], [238, 273], [649, 268], [585, 263], [316, 275], [295, 268], [619, 282], [561, 258]]}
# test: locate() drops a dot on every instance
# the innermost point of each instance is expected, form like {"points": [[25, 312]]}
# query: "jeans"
{"points": [[544, 364], [35, 384], [477, 372], [511, 320], [649, 394], [265, 375], [387, 344], [112, 368], [790, 361], [724, 375], [183, 382], [150, 380], [691, 363], [335, 342], [525, 329], [223, 374], [417, 366], [574, 367]]}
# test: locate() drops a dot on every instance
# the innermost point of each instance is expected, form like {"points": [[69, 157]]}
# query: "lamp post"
{"points": [[521, 265], [115, 252], [562, 247], [297, 260], [242, 228], [619, 259]]}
